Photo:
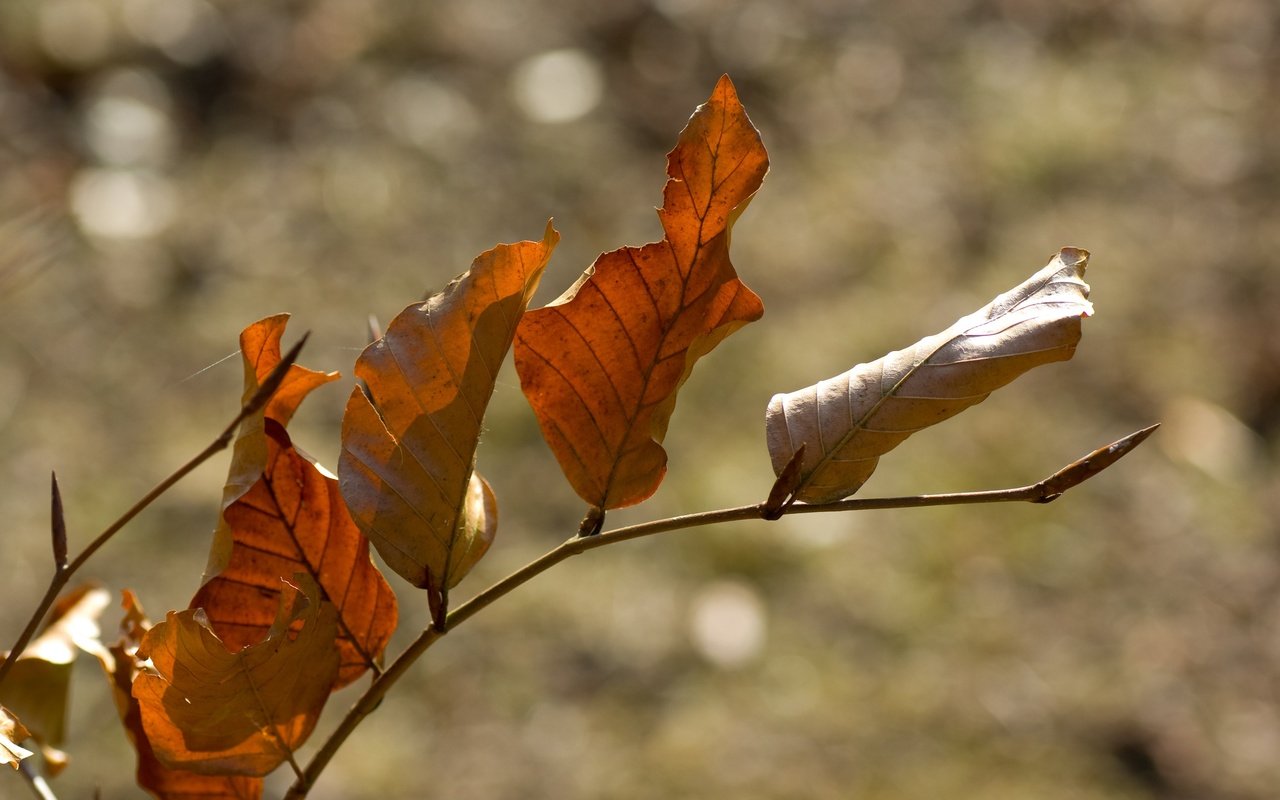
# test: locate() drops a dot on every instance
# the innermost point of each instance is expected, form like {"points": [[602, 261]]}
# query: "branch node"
{"points": [[591, 523], [783, 493]]}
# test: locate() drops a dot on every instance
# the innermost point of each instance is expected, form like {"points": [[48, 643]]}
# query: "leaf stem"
{"points": [[1040, 492], [62, 574]]}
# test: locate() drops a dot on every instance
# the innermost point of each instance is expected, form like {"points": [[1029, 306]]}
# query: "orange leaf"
{"points": [[294, 520], [161, 781], [11, 733], [408, 448], [602, 364], [219, 713], [36, 689], [260, 352]]}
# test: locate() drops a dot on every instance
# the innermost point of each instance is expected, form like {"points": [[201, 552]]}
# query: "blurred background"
{"points": [[173, 170]]}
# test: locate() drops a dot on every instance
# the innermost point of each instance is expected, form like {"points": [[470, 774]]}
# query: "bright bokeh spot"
{"points": [[122, 204], [558, 86], [727, 623]]}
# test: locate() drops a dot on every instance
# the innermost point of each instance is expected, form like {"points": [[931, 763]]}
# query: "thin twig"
{"points": [[62, 575], [1040, 492], [39, 786]]}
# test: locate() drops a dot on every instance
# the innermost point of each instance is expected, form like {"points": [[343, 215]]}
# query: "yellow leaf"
{"points": [[848, 422]]}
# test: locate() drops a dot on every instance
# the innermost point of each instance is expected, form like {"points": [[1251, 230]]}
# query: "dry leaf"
{"points": [[210, 711], [260, 353], [849, 421], [294, 520], [36, 687], [601, 365], [162, 782], [11, 733], [408, 448]]}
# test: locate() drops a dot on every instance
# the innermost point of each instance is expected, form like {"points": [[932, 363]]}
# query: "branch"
{"points": [[1042, 491], [39, 786], [63, 571]]}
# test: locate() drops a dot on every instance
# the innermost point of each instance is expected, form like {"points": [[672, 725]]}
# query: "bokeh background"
{"points": [[172, 170]]}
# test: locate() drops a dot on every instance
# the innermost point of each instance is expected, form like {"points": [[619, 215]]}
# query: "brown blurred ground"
{"points": [[172, 170]]}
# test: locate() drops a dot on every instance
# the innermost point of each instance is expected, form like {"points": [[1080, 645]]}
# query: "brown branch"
{"points": [[1042, 491]]}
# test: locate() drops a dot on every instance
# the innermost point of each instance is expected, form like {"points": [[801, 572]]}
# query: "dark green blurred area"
{"points": [[172, 170]]}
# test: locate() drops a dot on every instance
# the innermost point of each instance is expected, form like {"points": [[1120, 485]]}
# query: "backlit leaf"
{"points": [[294, 520], [207, 710], [408, 446], [260, 353], [162, 782], [601, 365], [36, 687], [11, 733], [846, 423]]}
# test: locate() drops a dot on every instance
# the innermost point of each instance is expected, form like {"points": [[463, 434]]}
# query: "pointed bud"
{"points": [[59, 527]]}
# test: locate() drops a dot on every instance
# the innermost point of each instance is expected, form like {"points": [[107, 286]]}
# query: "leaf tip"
{"points": [[1076, 257], [271, 384]]}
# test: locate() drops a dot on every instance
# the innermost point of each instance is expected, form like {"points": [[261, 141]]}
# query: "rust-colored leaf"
{"points": [[851, 420], [12, 733], [214, 712], [601, 365], [36, 687], [260, 353], [294, 520], [408, 446], [162, 782]]}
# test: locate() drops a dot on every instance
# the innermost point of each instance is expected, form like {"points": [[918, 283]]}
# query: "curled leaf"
{"points": [[210, 711], [162, 782], [601, 365], [11, 733], [851, 420], [408, 445], [36, 688]]}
